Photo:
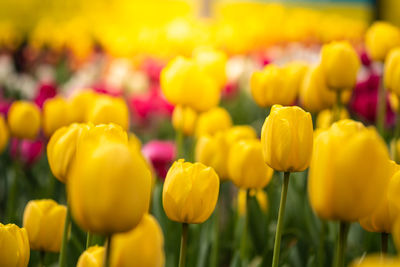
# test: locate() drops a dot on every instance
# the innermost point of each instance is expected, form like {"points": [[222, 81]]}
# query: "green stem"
{"points": [[278, 235], [63, 251], [321, 247], [337, 108], [41, 260], [384, 243], [341, 244], [12, 196], [243, 243], [182, 254], [381, 108], [89, 240], [396, 138], [108, 251], [179, 144], [215, 246]]}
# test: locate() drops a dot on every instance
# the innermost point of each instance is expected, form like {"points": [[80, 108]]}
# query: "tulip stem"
{"points": [[381, 108], [42, 256], [63, 251], [108, 252], [89, 239], [384, 243], [179, 144], [396, 138], [338, 107], [182, 255], [341, 244], [278, 234]]}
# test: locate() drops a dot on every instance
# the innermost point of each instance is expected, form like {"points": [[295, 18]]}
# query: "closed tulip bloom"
{"points": [[240, 132], [396, 226], [80, 103], [381, 220], [44, 221], [287, 139], [14, 246], [376, 261], [4, 134], [325, 118], [107, 165], [392, 71], [246, 166], [107, 109], [183, 82], [91, 257], [24, 120], [340, 64], [380, 38], [350, 164], [190, 192], [294, 73], [184, 119], [55, 114], [213, 121], [61, 149], [261, 197], [212, 62], [142, 246]]}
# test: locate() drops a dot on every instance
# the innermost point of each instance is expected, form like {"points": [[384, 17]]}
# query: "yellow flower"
{"points": [[246, 165], [184, 83], [380, 38], [261, 197], [212, 62], [294, 74], [55, 114], [392, 72], [350, 164], [381, 220], [213, 121], [340, 64], [107, 109], [240, 132], [109, 183], [142, 246], [394, 101], [287, 139], [376, 261], [134, 141], [184, 119], [4, 134], [44, 221], [14, 246], [80, 104], [190, 192], [91, 257], [325, 118], [62, 147], [396, 227], [24, 120]]}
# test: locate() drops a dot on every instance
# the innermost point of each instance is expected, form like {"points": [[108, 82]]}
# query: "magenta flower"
{"points": [[27, 151], [45, 91], [153, 69], [160, 154]]}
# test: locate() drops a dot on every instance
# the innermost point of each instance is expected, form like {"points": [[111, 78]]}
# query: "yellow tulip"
{"points": [[184, 119], [190, 192], [396, 228], [380, 38], [394, 101], [44, 221], [24, 120], [376, 261], [287, 139], [109, 183], [261, 197], [61, 149], [107, 109], [350, 164], [4, 134], [80, 104], [239, 132], [134, 141], [246, 165], [340, 64], [91, 257], [294, 74], [325, 118], [55, 114], [213, 121], [14, 246], [212, 62], [184, 83], [142, 246], [392, 72], [381, 220]]}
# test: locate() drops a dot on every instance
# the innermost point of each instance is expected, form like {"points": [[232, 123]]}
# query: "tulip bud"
{"points": [[392, 71], [106, 165], [91, 257], [376, 261], [55, 115], [340, 64], [24, 120], [80, 104], [325, 118], [4, 134], [190, 192], [184, 119], [142, 246], [246, 166], [212, 62], [350, 164], [107, 109], [380, 38], [287, 139], [184, 83], [44, 221], [14, 246], [212, 121], [261, 197], [61, 149], [239, 132]]}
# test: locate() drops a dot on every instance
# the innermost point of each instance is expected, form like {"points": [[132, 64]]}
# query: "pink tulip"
{"points": [[161, 154], [26, 151], [45, 91], [153, 69]]}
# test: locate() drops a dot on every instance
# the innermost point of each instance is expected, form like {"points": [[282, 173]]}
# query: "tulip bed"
{"points": [[186, 143]]}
